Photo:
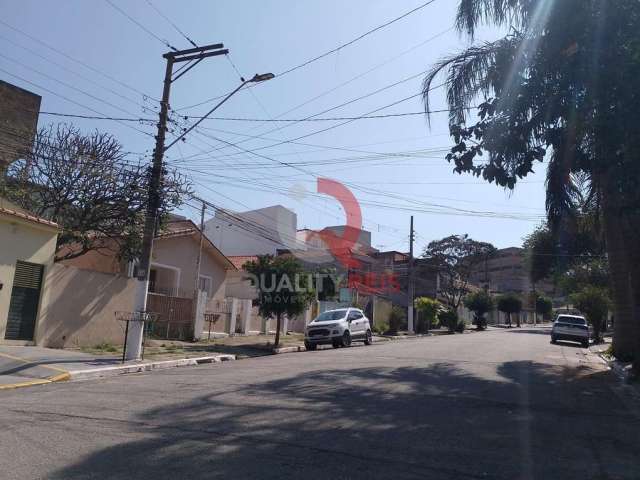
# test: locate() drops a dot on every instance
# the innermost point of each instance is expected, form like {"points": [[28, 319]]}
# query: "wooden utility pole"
{"points": [[411, 285], [134, 340]]}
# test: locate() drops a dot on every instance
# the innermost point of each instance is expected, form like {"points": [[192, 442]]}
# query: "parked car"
{"points": [[338, 328], [571, 327]]}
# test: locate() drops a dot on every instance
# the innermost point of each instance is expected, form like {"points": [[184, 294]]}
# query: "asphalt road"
{"points": [[498, 404]]}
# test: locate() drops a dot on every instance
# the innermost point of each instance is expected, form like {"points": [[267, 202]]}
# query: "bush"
{"points": [[380, 328], [449, 318], [427, 309], [397, 320], [480, 303], [461, 326]]}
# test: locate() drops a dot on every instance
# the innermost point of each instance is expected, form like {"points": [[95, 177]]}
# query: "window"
{"points": [[354, 315], [206, 284]]}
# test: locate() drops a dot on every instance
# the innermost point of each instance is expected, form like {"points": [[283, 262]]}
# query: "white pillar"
{"points": [[265, 325], [246, 315], [234, 314], [410, 319], [285, 324], [200, 304], [135, 334]]}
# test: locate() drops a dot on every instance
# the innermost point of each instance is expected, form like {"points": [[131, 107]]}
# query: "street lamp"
{"points": [[257, 78]]}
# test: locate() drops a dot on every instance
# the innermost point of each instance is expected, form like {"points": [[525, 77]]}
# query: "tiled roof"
{"points": [[240, 260], [28, 217]]}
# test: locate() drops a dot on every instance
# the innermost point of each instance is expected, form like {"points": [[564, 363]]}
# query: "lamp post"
{"points": [[136, 335]]}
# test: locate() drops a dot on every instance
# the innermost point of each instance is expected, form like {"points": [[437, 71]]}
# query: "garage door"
{"points": [[25, 296]]}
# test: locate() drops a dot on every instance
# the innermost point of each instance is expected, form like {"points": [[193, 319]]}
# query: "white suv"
{"points": [[338, 328], [571, 327]]}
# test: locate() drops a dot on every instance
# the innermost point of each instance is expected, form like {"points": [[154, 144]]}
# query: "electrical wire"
{"points": [[141, 26]]}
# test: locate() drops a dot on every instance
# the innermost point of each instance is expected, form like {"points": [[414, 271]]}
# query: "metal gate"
{"points": [[25, 297], [174, 316]]}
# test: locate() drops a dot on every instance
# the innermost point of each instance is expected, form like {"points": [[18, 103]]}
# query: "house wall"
{"points": [[180, 252], [28, 242], [230, 235], [81, 307]]}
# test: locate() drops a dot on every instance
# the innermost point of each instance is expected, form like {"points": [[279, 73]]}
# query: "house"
{"points": [[26, 257], [172, 278], [254, 232], [506, 272]]}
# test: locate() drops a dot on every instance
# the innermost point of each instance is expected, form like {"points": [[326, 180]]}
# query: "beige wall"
{"points": [[182, 252], [27, 241], [81, 306]]}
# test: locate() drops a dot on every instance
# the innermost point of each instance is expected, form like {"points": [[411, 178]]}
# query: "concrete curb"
{"points": [[60, 377], [146, 367], [299, 348]]}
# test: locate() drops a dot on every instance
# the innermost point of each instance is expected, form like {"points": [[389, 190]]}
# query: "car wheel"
{"points": [[585, 344], [368, 339], [310, 346], [346, 339], [554, 340]]}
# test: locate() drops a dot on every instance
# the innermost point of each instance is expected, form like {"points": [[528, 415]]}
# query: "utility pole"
{"points": [[136, 332], [411, 285]]}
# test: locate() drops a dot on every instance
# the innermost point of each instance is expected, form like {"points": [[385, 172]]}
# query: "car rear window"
{"points": [[572, 320]]}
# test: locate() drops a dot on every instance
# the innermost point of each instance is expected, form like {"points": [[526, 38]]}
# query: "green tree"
{"points": [[449, 317], [456, 257], [283, 287], [480, 303], [397, 320], [556, 87], [544, 306], [594, 303], [428, 309], [510, 303]]}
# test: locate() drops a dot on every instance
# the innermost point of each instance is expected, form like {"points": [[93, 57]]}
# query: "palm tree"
{"points": [[541, 86]]}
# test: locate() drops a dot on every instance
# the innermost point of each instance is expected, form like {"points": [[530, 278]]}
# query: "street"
{"points": [[497, 404]]}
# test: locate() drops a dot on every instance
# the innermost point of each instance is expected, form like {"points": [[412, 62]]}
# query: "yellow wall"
{"points": [[22, 240]]}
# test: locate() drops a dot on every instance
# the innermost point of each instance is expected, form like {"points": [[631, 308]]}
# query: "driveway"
{"points": [[503, 404]]}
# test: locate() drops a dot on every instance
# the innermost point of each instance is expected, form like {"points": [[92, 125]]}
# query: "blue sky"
{"points": [[273, 36]]}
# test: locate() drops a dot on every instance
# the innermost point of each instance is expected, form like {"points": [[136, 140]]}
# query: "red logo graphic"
{"points": [[341, 246]]}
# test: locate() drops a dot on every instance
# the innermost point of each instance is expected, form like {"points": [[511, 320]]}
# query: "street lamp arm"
{"points": [[255, 79]]}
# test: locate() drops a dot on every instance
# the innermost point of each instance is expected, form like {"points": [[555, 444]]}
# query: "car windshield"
{"points": [[331, 315], [572, 320]]}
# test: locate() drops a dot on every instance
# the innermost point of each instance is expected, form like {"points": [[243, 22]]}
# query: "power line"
{"points": [[68, 99], [159, 12], [75, 60], [358, 38], [145, 29], [73, 72]]}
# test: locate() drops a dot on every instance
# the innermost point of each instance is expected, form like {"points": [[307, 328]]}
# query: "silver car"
{"points": [[571, 327], [338, 328]]}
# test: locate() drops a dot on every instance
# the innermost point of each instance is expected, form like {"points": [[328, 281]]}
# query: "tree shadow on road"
{"points": [[517, 420]]}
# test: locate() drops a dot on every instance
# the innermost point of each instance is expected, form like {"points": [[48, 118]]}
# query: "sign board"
{"points": [[345, 295], [19, 110]]}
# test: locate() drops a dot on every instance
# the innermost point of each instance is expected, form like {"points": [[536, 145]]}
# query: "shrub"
{"points": [[510, 303], [480, 303], [461, 326], [449, 318], [397, 320], [427, 313], [380, 328]]}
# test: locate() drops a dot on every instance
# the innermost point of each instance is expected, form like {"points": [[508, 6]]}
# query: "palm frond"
{"points": [[561, 192], [468, 74], [474, 13]]}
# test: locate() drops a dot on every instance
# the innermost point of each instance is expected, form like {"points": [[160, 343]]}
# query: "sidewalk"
{"points": [[28, 366]]}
